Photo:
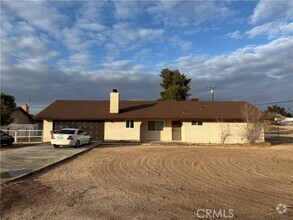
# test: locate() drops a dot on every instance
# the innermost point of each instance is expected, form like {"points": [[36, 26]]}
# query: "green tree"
{"points": [[7, 106], [275, 109], [176, 85]]}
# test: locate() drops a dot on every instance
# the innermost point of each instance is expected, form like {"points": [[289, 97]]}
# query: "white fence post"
{"points": [[30, 135], [15, 136]]}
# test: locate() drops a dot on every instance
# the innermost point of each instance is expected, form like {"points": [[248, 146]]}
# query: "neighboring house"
{"points": [[22, 120], [115, 120], [286, 121]]}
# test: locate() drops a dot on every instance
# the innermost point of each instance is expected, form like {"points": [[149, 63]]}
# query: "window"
{"points": [[196, 123], [155, 125], [63, 131], [80, 132], [130, 124]]}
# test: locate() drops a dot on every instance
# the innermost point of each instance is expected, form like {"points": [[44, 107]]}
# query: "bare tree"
{"points": [[225, 131], [253, 118]]}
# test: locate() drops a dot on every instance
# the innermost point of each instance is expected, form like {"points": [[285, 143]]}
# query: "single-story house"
{"points": [[115, 120], [23, 120]]}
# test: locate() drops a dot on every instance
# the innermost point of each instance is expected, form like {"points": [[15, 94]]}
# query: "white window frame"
{"points": [[129, 124]]}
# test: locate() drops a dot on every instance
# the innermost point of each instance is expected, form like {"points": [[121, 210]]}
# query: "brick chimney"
{"points": [[25, 107], [114, 101]]}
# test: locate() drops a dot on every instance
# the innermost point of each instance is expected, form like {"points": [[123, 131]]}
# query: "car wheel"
{"points": [[77, 144], [56, 146], [9, 143], [90, 141]]}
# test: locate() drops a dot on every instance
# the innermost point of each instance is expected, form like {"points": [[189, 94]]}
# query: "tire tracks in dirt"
{"points": [[164, 182]]}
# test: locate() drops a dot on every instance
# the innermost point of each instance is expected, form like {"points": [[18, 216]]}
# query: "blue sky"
{"points": [[83, 49]]}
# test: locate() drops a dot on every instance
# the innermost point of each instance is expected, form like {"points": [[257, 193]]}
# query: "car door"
{"points": [[81, 136]]}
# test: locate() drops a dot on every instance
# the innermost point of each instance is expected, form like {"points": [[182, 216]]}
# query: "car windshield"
{"points": [[66, 132]]}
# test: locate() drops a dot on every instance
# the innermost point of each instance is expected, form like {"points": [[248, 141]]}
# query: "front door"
{"points": [[176, 130]]}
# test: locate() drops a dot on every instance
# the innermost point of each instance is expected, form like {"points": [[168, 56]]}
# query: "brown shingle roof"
{"points": [[181, 110]]}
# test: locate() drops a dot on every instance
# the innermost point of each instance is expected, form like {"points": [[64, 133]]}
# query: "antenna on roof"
{"points": [[212, 90]]}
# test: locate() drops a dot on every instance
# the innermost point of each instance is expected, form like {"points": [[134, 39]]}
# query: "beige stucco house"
{"points": [[23, 120], [116, 120]]}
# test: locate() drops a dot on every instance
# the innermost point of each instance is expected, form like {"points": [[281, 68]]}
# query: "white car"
{"points": [[70, 137]]}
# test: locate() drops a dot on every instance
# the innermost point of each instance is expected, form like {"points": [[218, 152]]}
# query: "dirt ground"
{"points": [[15, 146], [158, 182]]}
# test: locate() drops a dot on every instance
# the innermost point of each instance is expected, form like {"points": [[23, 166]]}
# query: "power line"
{"points": [[268, 103]]}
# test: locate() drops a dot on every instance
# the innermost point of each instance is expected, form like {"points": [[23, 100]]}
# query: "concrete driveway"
{"points": [[22, 161]]}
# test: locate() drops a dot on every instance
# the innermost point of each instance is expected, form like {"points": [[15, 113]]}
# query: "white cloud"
{"points": [[72, 38], [235, 35], [179, 13], [255, 72], [142, 54], [271, 30], [28, 51], [40, 14], [272, 19], [86, 85], [243, 61], [76, 62], [117, 65], [267, 11], [91, 26], [127, 9], [22, 44], [76, 39], [100, 45], [91, 11], [176, 41], [80, 59], [253, 68], [125, 37], [149, 34], [89, 16], [35, 63], [24, 28], [122, 67]]}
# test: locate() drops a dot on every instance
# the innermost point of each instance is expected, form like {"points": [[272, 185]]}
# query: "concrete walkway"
{"points": [[23, 161]]}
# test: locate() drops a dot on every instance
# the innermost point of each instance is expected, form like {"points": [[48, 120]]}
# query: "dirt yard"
{"points": [[158, 182], [15, 146]]}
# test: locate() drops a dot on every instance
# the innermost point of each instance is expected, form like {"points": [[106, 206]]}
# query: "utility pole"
{"points": [[212, 90]]}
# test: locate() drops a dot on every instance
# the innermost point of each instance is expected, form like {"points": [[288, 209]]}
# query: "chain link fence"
{"points": [[278, 134]]}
